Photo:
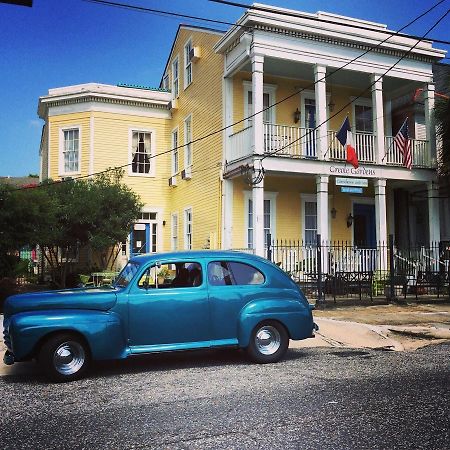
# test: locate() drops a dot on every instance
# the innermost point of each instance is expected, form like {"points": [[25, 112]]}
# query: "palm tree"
{"points": [[442, 114]]}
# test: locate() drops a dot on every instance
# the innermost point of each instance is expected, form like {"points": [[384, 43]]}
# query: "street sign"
{"points": [[357, 182], [352, 190]]}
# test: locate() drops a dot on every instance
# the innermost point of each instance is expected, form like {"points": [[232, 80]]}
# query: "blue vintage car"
{"points": [[161, 302]]}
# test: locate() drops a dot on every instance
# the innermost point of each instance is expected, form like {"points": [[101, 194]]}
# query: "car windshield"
{"points": [[127, 274]]}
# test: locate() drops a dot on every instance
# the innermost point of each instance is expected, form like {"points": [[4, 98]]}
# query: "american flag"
{"points": [[403, 144]]}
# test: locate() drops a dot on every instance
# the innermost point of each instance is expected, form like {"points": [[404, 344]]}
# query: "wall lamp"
{"points": [[333, 212], [296, 116], [350, 220]]}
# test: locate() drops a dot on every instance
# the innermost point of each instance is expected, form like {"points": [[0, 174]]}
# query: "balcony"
{"points": [[297, 142]]}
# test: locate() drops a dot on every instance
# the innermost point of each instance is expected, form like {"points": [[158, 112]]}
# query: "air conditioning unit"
{"points": [[173, 181], [186, 174], [173, 104], [194, 54]]}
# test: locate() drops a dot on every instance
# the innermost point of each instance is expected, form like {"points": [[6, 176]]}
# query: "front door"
{"points": [[364, 234], [169, 308], [310, 124]]}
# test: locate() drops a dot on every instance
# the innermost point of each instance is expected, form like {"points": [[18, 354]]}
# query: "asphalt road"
{"points": [[318, 398]]}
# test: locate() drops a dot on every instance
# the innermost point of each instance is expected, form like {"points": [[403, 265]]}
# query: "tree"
{"points": [[95, 214], [64, 217], [442, 114]]}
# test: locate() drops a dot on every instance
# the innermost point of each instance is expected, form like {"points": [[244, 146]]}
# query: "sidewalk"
{"points": [[389, 327]]}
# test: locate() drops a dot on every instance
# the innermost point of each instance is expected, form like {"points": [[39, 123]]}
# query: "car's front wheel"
{"points": [[268, 342], [64, 357]]}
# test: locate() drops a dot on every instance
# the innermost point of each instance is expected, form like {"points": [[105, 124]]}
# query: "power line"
{"points": [[264, 109], [317, 19], [363, 92]]}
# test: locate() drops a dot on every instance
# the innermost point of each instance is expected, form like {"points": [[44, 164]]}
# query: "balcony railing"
{"points": [[364, 146], [297, 142], [419, 149]]}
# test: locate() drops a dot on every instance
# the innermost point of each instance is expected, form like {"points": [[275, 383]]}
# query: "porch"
{"points": [[298, 142]]}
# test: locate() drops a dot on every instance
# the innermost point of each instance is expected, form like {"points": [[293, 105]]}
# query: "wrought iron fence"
{"points": [[339, 269]]}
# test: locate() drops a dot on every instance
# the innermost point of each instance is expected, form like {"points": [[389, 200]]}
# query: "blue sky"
{"points": [[63, 42]]}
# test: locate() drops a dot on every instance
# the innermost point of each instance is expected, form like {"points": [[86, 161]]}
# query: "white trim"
{"points": [[186, 165], [186, 64], [91, 145], [172, 163], [152, 132], [272, 197], [177, 59], [172, 216], [269, 89], [61, 171], [185, 243]]}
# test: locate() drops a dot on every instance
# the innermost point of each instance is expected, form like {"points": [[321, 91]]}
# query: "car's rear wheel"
{"points": [[64, 357], [268, 342]]}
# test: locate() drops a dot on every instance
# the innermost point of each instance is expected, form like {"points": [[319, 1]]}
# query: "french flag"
{"points": [[345, 137]]}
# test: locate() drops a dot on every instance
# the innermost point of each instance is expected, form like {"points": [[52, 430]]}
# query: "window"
{"points": [[174, 231], [165, 83], [144, 234], [172, 275], [310, 222], [70, 151], [227, 273], [363, 118], [187, 64], [188, 228], [175, 152], [188, 141], [141, 152], [175, 86], [268, 99], [268, 219]]}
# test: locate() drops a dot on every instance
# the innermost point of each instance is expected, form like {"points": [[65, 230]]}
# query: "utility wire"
{"points": [[255, 113], [363, 92], [317, 19]]}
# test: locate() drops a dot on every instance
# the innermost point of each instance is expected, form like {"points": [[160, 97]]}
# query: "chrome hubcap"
{"points": [[69, 357], [267, 340]]}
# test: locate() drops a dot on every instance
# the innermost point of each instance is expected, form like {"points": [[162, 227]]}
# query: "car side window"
{"points": [[171, 275], [225, 273]]}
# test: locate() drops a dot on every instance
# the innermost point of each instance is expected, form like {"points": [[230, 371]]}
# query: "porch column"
{"points": [[257, 101], [227, 101], [430, 127], [321, 110], [322, 214], [227, 214], [433, 212], [258, 213], [381, 222], [377, 102]]}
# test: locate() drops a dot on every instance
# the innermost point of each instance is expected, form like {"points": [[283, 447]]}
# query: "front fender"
{"points": [[294, 315], [103, 331]]}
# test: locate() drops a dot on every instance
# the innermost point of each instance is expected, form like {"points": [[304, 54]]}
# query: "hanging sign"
{"points": [[356, 182], [352, 190]]}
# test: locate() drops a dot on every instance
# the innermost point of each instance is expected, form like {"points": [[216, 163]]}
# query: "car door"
{"points": [[168, 308], [231, 285]]}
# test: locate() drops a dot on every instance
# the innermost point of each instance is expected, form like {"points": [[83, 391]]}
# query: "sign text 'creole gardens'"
{"points": [[352, 171]]}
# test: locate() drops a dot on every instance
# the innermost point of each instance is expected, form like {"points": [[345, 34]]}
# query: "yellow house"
{"points": [[240, 140]]}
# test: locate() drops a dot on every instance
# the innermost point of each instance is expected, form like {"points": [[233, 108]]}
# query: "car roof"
{"points": [[193, 254]]}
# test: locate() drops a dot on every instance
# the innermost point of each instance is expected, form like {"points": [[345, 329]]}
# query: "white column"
{"points": [[433, 212], [258, 213], [322, 215], [321, 110], [227, 101], [257, 101], [227, 214], [430, 126], [378, 122], [381, 222]]}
